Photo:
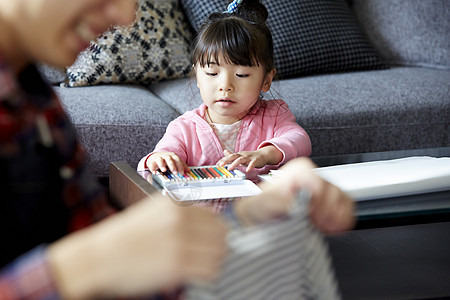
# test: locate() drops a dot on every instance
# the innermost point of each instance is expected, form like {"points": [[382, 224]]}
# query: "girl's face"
{"points": [[229, 91], [55, 31]]}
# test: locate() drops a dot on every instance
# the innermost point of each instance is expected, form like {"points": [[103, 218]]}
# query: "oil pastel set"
{"points": [[205, 183]]}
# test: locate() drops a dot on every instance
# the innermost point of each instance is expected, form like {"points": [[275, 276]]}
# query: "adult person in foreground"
{"points": [[53, 242]]}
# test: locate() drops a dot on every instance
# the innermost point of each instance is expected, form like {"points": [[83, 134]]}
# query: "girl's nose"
{"points": [[226, 85], [225, 89]]}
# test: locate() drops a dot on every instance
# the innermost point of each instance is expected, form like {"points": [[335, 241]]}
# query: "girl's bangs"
{"points": [[230, 44]]}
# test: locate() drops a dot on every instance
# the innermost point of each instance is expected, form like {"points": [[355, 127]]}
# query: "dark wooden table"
{"points": [[399, 249]]}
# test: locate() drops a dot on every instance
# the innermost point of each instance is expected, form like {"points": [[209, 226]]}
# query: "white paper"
{"points": [[388, 178]]}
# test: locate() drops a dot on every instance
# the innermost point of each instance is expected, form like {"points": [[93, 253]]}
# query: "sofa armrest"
{"points": [[126, 186]]}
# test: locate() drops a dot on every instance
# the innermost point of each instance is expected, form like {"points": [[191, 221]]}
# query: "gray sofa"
{"points": [[406, 106]]}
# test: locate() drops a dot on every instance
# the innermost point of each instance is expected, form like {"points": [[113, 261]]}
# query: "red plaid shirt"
{"points": [[28, 277], [30, 112], [32, 121]]}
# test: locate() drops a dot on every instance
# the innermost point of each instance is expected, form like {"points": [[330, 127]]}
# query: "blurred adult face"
{"points": [[55, 31]]}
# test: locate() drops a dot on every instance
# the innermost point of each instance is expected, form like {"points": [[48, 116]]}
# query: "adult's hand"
{"points": [[331, 210], [150, 246]]}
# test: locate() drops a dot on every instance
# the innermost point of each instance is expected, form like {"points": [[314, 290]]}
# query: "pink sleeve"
{"points": [[172, 141], [289, 137]]}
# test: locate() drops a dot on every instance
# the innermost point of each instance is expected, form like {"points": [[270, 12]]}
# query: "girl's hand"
{"points": [[268, 155], [166, 160], [331, 210]]}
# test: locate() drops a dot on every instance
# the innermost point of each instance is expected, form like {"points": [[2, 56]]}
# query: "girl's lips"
{"points": [[225, 100]]}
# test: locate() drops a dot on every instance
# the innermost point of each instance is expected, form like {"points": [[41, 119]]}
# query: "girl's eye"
{"points": [[211, 74], [242, 75]]}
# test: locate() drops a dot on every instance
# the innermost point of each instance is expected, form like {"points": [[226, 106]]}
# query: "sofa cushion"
{"points": [[310, 36], [182, 94], [116, 123], [52, 75], [408, 32], [394, 109], [154, 48]]}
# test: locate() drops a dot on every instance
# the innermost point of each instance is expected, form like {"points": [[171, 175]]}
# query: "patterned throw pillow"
{"points": [[154, 48], [310, 36]]}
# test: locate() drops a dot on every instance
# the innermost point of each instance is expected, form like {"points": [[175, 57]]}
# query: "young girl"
{"points": [[233, 64]]}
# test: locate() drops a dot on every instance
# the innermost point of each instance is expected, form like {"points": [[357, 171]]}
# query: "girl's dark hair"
{"points": [[242, 37]]}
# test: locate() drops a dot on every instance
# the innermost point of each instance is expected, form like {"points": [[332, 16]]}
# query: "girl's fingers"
{"points": [[234, 164], [180, 165], [171, 164], [226, 159], [165, 161], [237, 159], [231, 159], [152, 166], [250, 166], [241, 160], [222, 162], [160, 162]]}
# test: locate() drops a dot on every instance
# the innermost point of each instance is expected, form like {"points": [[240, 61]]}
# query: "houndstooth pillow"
{"points": [[309, 36], [154, 48]]}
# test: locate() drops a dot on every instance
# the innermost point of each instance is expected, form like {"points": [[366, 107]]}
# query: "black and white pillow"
{"points": [[154, 48], [310, 36]]}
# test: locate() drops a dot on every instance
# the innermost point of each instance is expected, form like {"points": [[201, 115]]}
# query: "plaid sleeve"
{"points": [[28, 277]]}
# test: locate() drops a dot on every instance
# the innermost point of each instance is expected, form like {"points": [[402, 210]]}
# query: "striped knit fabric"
{"points": [[287, 259]]}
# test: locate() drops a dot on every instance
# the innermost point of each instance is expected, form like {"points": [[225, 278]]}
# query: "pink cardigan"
{"points": [[268, 122]]}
